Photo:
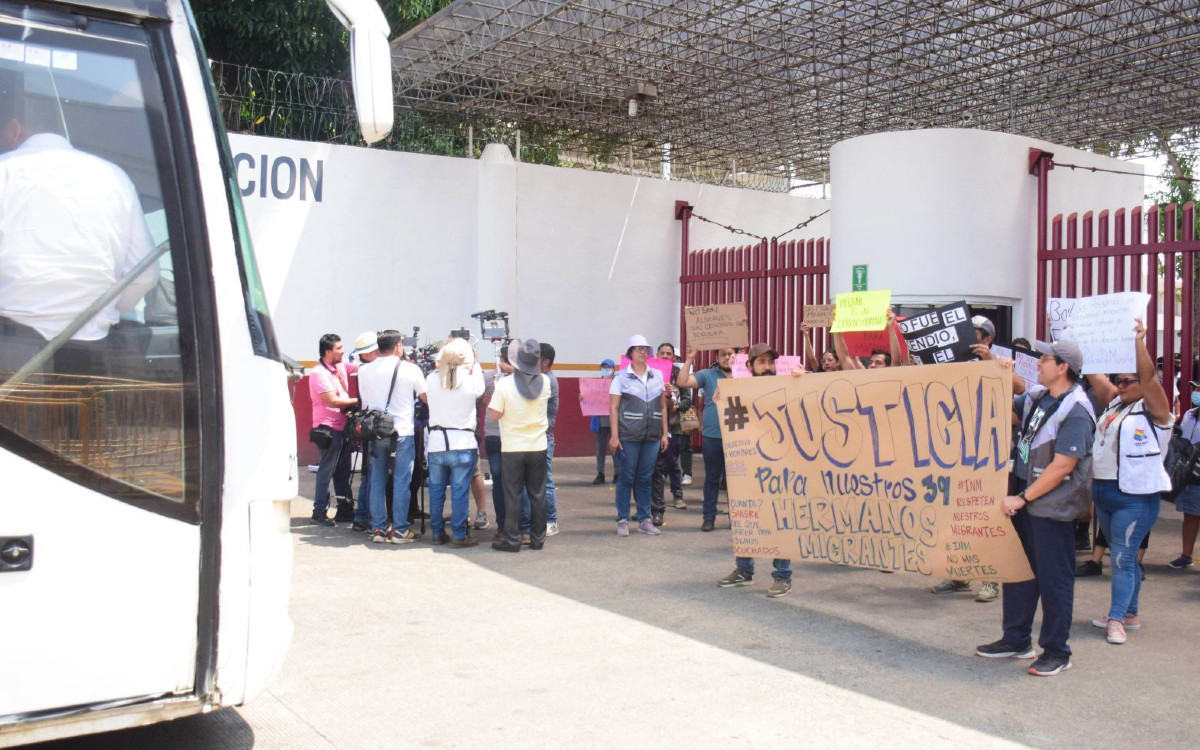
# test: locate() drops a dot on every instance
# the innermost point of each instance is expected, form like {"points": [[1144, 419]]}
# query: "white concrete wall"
{"points": [[400, 239], [942, 215]]}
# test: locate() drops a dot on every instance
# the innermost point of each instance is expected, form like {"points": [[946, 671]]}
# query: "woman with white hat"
{"points": [[638, 414]]}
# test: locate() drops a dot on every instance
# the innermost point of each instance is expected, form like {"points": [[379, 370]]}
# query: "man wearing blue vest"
{"points": [[1054, 470]]}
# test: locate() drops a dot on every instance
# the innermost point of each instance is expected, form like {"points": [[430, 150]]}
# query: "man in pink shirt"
{"points": [[327, 387]]}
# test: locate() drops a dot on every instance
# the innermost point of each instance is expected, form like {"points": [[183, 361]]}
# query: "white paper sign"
{"points": [[1102, 326], [1026, 367], [1001, 351]]}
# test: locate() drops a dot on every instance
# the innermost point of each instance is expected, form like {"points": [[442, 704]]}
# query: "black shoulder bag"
{"points": [[1180, 463], [369, 425]]}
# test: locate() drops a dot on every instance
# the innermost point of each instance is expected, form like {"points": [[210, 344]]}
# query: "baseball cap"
{"points": [[760, 349], [985, 325], [607, 363], [1067, 351], [365, 343]]}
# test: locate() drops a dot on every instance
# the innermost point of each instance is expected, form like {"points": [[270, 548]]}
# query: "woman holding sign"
{"points": [[1132, 434], [638, 413]]}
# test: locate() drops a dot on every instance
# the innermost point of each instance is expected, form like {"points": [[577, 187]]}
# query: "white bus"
{"points": [[147, 447]]}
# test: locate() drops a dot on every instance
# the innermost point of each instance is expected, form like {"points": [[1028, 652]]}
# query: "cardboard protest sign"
{"points": [[861, 311], [594, 392], [664, 366], [862, 343], [900, 469], [717, 326], [943, 334], [1102, 326], [818, 316]]}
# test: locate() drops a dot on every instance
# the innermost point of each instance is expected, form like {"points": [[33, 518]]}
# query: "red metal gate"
{"points": [[775, 279], [1134, 251]]}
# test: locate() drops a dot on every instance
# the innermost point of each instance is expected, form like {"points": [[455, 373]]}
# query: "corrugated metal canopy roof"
{"points": [[771, 85]]}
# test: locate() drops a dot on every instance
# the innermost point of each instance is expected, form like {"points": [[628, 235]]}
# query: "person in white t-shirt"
{"points": [[375, 386], [451, 445]]}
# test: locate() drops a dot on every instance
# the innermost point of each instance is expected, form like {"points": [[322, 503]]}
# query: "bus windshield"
{"points": [[90, 321]]}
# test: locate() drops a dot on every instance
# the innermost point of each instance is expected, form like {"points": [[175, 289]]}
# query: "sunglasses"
{"points": [[1123, 382]]}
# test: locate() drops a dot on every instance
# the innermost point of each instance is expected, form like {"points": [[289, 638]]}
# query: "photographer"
{"points": [[327, 387], [391, 385], [451, 449]]}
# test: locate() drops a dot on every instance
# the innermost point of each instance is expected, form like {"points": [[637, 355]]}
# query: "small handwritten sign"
{"points": [[594, 396], [818, 316], [1026, 365], [665, 367], [861, 311], [717, 326], [1102, 326]]}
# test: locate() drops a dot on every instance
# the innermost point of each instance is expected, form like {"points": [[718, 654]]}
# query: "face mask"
{"points": [[605, 372], [1195, 398]]}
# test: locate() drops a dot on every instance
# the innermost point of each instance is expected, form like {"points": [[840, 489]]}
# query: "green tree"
{"points": [[1181, 189]]}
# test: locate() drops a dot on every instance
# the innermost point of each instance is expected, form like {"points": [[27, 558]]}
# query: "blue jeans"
{"points": [[551, 498], [492, 444], [406, 450], [783, 568], [1125, 520], [362, 509], [456, 468], [714, 470], [335, 467], [636, 471]]}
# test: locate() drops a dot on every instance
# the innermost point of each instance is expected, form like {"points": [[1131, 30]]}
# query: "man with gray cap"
{"points": [[519, 405], [1053, 469]]}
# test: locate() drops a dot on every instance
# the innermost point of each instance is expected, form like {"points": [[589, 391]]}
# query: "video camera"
{"points": [[493, 325]]}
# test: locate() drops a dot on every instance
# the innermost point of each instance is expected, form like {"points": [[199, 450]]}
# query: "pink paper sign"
{"points": [[593, 394], [664, 366], [740, 368], [787, 363]]}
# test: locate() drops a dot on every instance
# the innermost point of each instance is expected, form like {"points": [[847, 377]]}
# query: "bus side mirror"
{"points": [[371, 65]]}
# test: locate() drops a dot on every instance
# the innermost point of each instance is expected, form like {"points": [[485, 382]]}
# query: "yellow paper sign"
{"points": [[861, 311], [901, 469]]}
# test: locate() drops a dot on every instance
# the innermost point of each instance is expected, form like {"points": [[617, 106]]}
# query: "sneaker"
{"points": [[646, 526], [736, 578], [1088, 568], [1181, 562], [322, 520], [1048, 666], [552, 528], [687, 480], [950, 587], [988, 592], [360, 526], [1116, 632], [487, 480], [408, 536], [779, 587], [438, 540], [623, 527], [378, 536], [1002, 650], [1132, 622], [677, 502], [468, 541], [526, 540], [345, 512], [599, 479], [657, 519], [708, 525], [481, 520]]}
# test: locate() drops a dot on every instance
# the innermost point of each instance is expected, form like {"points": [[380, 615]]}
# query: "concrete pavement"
{"points": [[597, 641]]}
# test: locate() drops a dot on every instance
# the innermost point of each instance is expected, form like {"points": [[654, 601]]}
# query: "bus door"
{"points": [[109, 480]]}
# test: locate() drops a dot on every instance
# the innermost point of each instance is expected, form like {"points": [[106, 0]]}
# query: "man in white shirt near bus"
{"points": [[375, 386], [71, 225]]}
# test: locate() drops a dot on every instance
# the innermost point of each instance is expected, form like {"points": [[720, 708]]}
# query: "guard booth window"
{"points": [[95, 380]]}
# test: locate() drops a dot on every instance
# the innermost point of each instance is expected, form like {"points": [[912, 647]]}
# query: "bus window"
{"points": [[94, 377]]}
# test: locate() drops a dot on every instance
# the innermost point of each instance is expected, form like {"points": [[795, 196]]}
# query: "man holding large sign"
{"points": [[900, 469]]}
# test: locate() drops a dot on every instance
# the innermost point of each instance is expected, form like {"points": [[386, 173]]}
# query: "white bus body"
{"points": [[145, 546]]}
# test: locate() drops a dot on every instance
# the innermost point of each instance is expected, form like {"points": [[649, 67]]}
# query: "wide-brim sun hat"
{"points": [[636, 339], [365, 343], [526, 357]]}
